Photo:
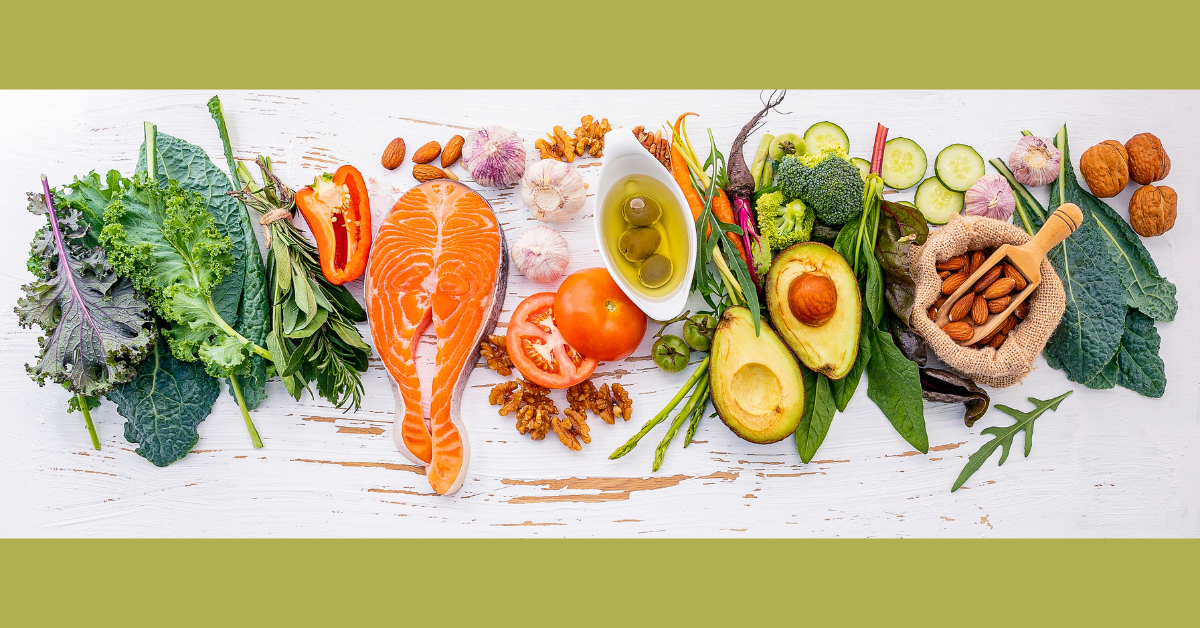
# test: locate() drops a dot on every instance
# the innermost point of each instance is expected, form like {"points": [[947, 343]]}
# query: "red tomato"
{"points": [[596, 317], [538, 350]]}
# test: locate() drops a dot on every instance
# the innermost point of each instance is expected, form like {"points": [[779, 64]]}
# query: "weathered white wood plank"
{"points": [[1108, 463]]}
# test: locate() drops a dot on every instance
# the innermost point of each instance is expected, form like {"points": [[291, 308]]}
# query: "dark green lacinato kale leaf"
{"points": [[1136, 365], [164, 406], [97, 326], [241, 298], [1145, 288], [1003, 436]]}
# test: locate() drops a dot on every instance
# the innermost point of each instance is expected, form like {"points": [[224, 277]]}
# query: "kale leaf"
{"points": [[1136, 365], [164, 406], [98, 327]]}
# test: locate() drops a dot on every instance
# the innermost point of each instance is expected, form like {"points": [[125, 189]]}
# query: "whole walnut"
{"points": [[1148, 160], [1105, 167], [1152, 210]]}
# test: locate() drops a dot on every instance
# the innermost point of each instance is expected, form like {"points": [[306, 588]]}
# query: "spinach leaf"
{"points": [[1145, 288], [894, 384], [164, 405], [844, 388], [819, 408], [1004, 435], [241, 299]]}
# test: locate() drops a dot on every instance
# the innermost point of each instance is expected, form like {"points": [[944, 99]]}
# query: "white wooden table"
{"points": [[1107, 463]]}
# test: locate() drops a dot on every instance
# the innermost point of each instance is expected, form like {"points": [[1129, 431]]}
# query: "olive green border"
{"points": [[640, 44], [598, 582]]}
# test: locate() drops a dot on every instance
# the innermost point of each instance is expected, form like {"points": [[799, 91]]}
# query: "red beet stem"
{"points": [[877, 151]]}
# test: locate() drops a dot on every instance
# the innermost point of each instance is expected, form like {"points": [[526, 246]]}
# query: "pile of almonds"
{"points": [[990, 295], [423, 169]]}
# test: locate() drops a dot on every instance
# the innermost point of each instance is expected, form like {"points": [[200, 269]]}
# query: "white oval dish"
{"points": [[624, 156]]}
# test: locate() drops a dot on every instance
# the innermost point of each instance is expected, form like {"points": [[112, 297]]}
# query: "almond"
{"points": [[997, 340], [1022, 309], [427, 153], [452, 151], [959, 330], [988, 278], [941, 300], [954, 282], [1012, 273], [954, 263], [977, 260], [425, 172], [995, 306], [1009, 323], [1000, 288], [979, 311], [393, 155], [988, 338], [945, 274], [962, 307], [932, 313]]}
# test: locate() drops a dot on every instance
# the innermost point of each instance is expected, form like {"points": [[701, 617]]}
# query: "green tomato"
{"points": [[698, 331], [671, 353]]}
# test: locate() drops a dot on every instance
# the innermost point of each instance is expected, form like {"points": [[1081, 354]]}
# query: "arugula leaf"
{"points": [[1145, 288], [1004, 435], [894, 384], [164, 406], [98, 328], [819, 408]]}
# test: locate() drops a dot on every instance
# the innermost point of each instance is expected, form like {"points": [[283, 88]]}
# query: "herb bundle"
{"points": [[312, 335]]}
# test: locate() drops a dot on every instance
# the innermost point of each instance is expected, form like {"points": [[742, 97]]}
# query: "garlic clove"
{"points": [[1035, 161], [553, 190], [990, 197], [540, 254]]}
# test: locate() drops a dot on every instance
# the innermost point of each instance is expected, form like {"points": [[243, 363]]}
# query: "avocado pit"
{"points": [[812, 298]]}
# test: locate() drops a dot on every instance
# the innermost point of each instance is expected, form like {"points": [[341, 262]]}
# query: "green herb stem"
{"points": [[237, 392], [699, 373], [87, 418]]}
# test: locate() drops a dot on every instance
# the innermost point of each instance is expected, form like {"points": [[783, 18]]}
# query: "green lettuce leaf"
{"points": [[164, 406], [97, 326]]}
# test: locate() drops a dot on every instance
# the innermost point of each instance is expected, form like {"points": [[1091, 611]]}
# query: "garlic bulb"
{"points": [[540, 254], [990, 197], [553, 190], [1035, 161], [494, 156]]}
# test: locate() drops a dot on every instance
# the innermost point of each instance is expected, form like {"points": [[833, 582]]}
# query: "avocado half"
{"points": [[831, 345], [756, 384]]}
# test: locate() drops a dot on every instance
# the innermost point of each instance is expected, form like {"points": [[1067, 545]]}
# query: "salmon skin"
{"points": [[440, 256]]}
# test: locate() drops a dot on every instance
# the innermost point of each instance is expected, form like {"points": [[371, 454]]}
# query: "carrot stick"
{"points": [[679, 170], [720, 203], [724, 212]]}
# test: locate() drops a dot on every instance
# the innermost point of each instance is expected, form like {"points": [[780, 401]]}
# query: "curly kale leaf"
{"points": [[164, 406], [164, 239], [98, 328], [241, 298]]}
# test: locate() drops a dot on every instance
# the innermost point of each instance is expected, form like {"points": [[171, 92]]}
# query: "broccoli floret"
{"points": [[783, 225], [826, 181]]}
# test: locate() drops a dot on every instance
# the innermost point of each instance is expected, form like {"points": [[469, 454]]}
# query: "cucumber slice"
{"points": [[958, 166], [936, 202], [864, 166], [795, 142], [904, 163], [823, 134]]}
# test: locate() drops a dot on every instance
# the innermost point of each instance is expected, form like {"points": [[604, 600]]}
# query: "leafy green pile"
{"points": [[97, 326], [1114, 291]]}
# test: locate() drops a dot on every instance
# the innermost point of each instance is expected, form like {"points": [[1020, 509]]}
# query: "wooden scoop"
{"points": [[1026, 259]]}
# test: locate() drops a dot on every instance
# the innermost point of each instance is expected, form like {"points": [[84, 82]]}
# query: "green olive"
{"points": [[655, 271], [638, 243], [698, 331], [671, 354], [641, 211]]}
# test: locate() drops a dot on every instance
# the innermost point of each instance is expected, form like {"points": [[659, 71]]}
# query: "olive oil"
{"points": [[673, 243]]}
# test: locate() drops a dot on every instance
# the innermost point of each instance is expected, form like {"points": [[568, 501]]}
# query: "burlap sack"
{"points": [[1010, 363]]}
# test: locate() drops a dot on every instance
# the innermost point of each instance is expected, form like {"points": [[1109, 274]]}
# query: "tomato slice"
{"points": [[538, 350]]}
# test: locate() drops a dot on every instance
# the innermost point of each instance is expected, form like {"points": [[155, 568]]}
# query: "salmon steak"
{"points": [[440, 256]]}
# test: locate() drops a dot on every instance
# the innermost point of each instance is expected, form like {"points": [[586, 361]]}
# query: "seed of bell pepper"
{"points": [[338, 213]]}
